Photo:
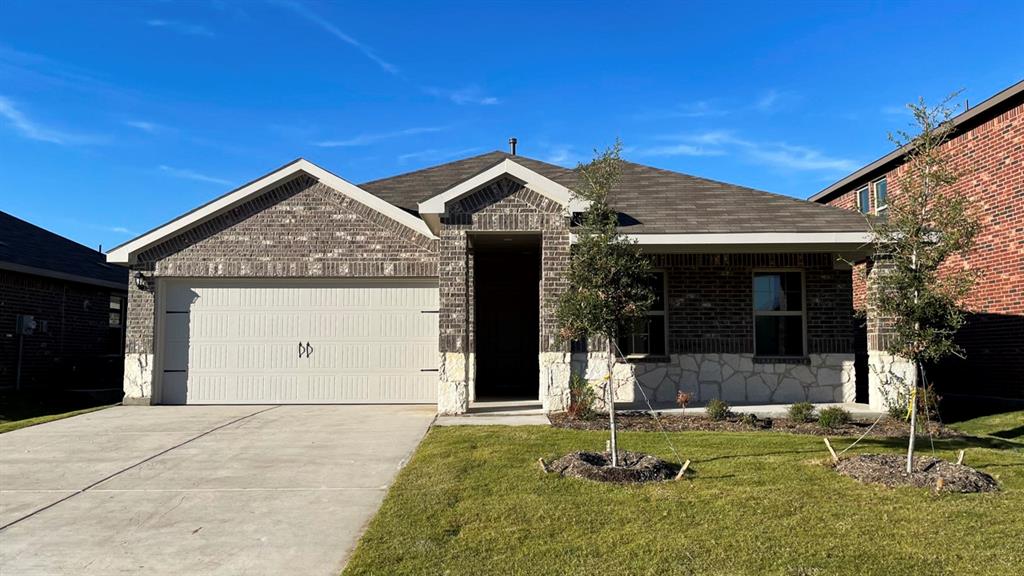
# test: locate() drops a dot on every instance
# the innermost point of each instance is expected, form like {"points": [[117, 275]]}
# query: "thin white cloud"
{"points": [[35, 131], [118, 230], [333, 30], [779, 155], [799, 158], [900, 110], [150, 127], [774, 100], [371, 138], [434, 154], [696, 109], [463, 96], [679, 150], [184, 28], [186, 174]]}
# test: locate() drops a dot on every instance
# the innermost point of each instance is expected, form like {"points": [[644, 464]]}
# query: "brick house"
{"points": [[987, 149], [440, 285], [61, 311]]}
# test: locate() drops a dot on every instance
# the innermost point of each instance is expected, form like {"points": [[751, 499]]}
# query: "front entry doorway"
{"points": [[506, 277]]}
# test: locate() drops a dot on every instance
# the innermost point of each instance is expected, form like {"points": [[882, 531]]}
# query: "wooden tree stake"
{"points": [[543, 466], [960, 459], [683, 470], [828, 445]]}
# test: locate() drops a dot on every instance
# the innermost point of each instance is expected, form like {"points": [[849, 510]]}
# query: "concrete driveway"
{"points": [[199, 489]]}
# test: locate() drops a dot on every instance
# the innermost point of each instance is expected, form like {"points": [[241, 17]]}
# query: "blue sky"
{"points": [[117, 116]]}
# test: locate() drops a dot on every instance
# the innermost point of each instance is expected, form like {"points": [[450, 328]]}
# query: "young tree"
{"points": [[608, 275], [919, 292]]}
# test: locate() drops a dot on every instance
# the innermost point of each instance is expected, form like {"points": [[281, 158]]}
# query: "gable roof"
{"points": [[29, 249], [967, 120], [649, 200], [125, 253]]}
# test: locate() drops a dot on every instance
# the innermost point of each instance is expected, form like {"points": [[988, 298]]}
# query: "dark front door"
{"points": [[507, 292]]}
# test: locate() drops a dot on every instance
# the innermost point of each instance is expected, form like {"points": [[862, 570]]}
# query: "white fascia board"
{"points": [[749, 238], [533, 180], [125, 253]]}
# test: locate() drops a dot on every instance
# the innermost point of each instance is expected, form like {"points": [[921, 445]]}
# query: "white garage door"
{"points": [[254, 342]]}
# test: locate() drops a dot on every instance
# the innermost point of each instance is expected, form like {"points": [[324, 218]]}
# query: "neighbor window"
{"points": [[646, 337], [864, 200], [778, 314], [116, 311], [881, 195]]}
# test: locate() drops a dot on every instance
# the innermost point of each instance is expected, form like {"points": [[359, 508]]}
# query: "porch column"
{"points": [[888, 375], [138, 347], [455, 365]]}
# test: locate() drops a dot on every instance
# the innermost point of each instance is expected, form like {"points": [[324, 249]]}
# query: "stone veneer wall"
{"points": [[299, 229], [503, 206]]}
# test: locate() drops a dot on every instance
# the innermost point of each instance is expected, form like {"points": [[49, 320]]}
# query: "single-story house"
{"points": [[440, 285], [62, 311]]}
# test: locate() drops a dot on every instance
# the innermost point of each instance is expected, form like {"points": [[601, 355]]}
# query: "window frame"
{"points": [[802, 313], [663, 313], [860, 206], [878, 208]]}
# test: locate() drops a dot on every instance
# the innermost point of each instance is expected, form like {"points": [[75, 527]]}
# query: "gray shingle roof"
{"points": [[27, 245], [650, 200]]}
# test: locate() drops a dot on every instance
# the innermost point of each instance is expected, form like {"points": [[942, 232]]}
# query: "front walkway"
{"points": [[199, 489]]}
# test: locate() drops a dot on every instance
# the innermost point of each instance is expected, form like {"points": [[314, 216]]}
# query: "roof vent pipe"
{"points": [[512, 145]]}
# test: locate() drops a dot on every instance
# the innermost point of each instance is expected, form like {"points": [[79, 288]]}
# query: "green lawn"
{"points": [[473, 501], [1009, 426], [10, 424]]}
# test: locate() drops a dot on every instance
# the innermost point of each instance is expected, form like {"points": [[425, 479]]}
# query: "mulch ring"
{"points": [[634, 467], [939, 475], [643, 422]]}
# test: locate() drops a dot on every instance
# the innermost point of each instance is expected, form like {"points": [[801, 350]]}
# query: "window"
{"points": [[778, 314], [647, 335], [863, 200], [881, 195], [116, 311]]}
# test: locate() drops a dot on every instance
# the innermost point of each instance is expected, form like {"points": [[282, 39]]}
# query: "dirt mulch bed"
{"points": [[634, 467], [644, 422], [939, 475]]}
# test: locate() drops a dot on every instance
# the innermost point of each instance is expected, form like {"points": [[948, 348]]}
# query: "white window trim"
{"points": [[802, 313], [662, 313], [874, 194], [861, 208]]}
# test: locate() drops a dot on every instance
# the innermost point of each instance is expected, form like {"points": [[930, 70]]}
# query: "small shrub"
{"points": [[682, 399], [717, 409], [581, 398], [833, 417], [898, 403], [750, 420], [801, 412]]}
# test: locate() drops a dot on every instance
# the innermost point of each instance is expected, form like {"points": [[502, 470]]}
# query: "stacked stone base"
{"points": [[735, 378]]}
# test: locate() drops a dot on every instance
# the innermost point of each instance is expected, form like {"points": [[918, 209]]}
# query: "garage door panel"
{"points": [[240, 343]]}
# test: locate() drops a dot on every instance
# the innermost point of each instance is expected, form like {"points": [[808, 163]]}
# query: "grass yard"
{"points": [[27, 409], [474, 501]]}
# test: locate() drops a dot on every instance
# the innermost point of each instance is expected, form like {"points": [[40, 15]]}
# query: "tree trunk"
{"points": [[913, 422], [611, 402]]}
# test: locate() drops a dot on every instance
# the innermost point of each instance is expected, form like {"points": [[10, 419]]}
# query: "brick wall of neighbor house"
{"points": [[990, 160], [76, 340], [300, 229], [710, 335], [503, 206]]}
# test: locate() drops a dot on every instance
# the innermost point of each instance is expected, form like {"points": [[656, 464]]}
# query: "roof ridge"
{"points": [[434, 167]]}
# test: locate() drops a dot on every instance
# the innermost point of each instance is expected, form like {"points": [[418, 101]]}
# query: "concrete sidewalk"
{"points": [[199, 489]]}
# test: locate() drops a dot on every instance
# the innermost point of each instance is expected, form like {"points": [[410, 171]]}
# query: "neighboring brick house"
{"points": [[441, 285], [61, 311], [987, 149]]}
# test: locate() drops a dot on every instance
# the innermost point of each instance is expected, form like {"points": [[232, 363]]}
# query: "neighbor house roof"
{"points": [[969, 119], [29, 249], [650, 200]]}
